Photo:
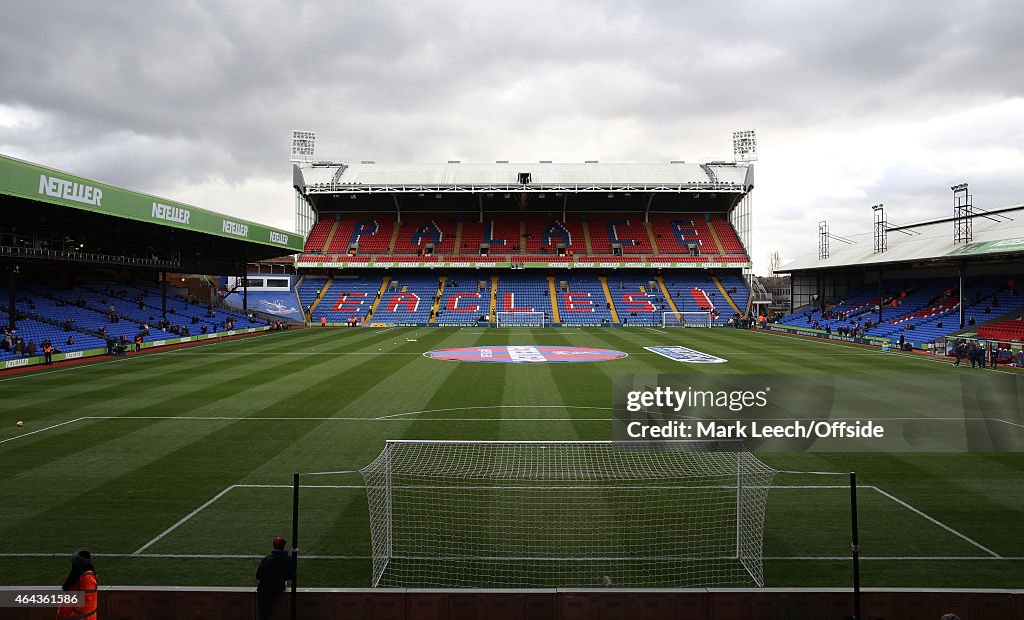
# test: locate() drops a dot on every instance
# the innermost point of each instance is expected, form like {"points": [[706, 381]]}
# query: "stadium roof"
{"points": [[335, 177], [45, 210], [997, 234]]}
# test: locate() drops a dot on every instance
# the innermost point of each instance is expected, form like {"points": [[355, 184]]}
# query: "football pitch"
{"points": [[174, 467]]}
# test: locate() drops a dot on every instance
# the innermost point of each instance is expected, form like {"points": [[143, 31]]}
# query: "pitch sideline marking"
{"points": [[397, 415], [39, 431], [182, 520], [939, 523]]}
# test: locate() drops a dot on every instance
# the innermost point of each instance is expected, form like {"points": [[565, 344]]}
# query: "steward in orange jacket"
{"points": [[82, 578]]}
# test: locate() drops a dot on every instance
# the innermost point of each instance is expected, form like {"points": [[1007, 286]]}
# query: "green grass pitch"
{"points": [[175, 466]]}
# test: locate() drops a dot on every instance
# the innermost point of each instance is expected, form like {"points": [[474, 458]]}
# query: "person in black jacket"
{"points": [[274, 570]]}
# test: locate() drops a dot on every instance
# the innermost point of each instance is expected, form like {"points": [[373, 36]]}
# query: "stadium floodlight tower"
{"points": [[744, 149], [881, 243], [744, 145], [303, 149], [303, 146], [963, 214]]}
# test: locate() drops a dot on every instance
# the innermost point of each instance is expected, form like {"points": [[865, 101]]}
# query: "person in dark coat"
{"points": [[275, 569]]}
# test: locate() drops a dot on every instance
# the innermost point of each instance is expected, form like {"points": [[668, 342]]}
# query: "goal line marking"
{"points": [[992, 555]]}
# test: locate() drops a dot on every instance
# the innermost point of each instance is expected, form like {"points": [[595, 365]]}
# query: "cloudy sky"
{"points": [[854, 103]]}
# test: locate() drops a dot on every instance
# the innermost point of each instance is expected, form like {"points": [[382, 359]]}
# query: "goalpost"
{"points": [[520, 319], [686, 319], [524, 514]]}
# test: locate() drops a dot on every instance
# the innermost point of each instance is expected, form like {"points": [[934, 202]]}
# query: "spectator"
{"points": [[30, 351], [82, 578], [71, 341], [275, 569]]}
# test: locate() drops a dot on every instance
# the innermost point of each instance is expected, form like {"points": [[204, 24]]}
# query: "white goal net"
{"points": [[566, 514], [686, 319], [520, 319]]}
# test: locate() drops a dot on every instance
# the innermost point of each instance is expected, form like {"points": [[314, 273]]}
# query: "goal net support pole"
{"points": [[566, 514]]}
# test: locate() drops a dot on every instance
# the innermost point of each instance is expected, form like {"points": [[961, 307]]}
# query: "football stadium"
{"points": [[509, 390]]}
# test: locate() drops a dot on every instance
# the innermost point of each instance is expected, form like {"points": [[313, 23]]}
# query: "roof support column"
{"points": [[245, 283], [163, 294], [880, 304], [961, 269], [11, 311]]}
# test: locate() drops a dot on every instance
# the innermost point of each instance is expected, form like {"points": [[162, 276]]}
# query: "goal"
{"points": [[520, 319], [686, 319], [566, 514]]}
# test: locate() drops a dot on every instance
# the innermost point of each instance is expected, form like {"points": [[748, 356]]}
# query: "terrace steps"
{"points": [[725, 294], [608, 298]]}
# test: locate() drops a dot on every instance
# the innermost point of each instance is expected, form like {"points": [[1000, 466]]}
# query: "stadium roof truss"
{"points": [[458, 178], [337, 188], [998, 235]]}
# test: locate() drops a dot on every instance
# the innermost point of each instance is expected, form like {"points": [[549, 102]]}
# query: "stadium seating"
{"points": [[737, 290], [34, 331], [1003, 330], [344, 299], [524, 292], [581, 299], [86, 314], [692, 293], [417, 232], [629, 232], [727, 236], [179, 310], [675, 233], [92, 318], [467, 298], [308, 288], [922, 311], [536, 236], [638, 298], [318, 236], [409, 298], [545, 234], [502, 235], [371, 233]]}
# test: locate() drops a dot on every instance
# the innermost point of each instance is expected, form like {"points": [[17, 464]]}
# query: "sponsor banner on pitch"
{"points": [[526, 354], [683, 354]]}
